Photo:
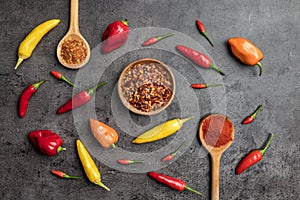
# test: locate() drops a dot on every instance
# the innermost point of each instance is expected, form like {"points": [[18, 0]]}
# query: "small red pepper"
{"points": [[25, 97], [252, 117], [174, 183], [60, 76], [172, 155], [79, 99], [203, 86], [128, 162], [63, 174], [198, 58], [253, 157], [155, 39], [201, 28], [46, 142], [115, 36]]}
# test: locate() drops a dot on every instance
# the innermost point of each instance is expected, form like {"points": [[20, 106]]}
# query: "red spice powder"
{"points": [[217, 130]]}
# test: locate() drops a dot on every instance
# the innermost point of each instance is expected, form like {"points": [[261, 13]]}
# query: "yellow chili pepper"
{"points": [[246, 52], [161, 131], [89, 165], [33, 38]]}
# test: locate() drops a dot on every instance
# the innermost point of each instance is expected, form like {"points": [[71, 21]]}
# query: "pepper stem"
{"points": [[135, 161], [186, 119], [60, 149], [205, 35], [113, 146], [264, 149], [213, 85], [177, 150], [216, 68], [164, 36], [260, 68], [256, 111], [68, 176], [192, 190], [102, 185], [92, 90], [125, 22], [37, 85], [67, 81], [20, 60]]}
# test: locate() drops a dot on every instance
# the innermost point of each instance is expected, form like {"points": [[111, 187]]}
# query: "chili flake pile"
{"points": [[147, 86], [73, 51]]}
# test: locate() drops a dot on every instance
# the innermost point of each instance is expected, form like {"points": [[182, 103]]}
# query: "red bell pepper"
{"points": [[115, 35], [46, 142]]}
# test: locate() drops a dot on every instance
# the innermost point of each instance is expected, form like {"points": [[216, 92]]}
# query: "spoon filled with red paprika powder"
{"points": [[216, 134]]}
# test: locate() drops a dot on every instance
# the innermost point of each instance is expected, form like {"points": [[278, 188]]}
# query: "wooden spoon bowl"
{"points": [[73, 34], [215, 151]]}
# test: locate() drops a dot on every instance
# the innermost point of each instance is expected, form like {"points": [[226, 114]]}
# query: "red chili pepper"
{"points": [[25, 97], [63, 174], [155, 39], [46, 142], [79, 99], [253, 157], [174, 183], [202, 85], [198, 58], [128, 162], [115, 35], [201, 28], [60, 76], [252, 117], [172, 155]]}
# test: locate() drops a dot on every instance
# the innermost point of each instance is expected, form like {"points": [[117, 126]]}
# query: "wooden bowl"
{"points": [[142, 76]]}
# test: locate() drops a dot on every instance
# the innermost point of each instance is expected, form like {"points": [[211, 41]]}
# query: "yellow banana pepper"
{"points": [[161, 131], [89, 165], [33, 38]]}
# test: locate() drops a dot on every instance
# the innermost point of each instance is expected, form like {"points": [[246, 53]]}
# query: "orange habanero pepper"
{"points": [[246, 52], [104, 134]]}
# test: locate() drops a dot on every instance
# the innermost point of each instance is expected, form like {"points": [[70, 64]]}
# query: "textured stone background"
{"points": [[273, 25]]}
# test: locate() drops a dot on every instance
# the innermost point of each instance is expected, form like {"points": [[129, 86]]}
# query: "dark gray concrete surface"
{"points": [[273, 25]]}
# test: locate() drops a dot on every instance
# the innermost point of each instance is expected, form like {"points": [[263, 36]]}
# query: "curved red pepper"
{"points": [[115, 35], [46, 142], [25, 97], [79, 99], [249, 119], [198, 58]]}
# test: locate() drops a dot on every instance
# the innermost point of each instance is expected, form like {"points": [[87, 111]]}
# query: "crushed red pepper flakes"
{"points": [[73, 51]]}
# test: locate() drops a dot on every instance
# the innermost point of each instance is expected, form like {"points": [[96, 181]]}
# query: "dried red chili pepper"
{"points": [[202, 85], [253, 157], [79, 99], [172, 155], [155, 39], [115, 35], [63, 174], [128, 162], [174, 183], [201, 28], [60, 76], [25, 97], [249, 119], [198, 58], [47, 142]]}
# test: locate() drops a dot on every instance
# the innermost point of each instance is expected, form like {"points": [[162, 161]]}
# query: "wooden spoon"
{"points": [[216, 153], [73, 33]]}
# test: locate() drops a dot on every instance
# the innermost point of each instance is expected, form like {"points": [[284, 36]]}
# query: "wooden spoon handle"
{"points": [[215, 177], [74, 27]]}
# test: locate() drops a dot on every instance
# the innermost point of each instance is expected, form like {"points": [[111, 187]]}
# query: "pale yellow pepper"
{"points": [[89, 165], [33, 38]]}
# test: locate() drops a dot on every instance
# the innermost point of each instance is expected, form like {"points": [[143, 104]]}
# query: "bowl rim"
{"points": [[128, 105]]}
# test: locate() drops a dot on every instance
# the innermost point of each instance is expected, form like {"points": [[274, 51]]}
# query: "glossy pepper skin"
{"points": [[172, 182], [246, 52], [198, 58], [46, 142], [63, 174], [115, 36], [104, 134], [249, 119], [25, 97], [79, 99], [202, 29], [155, 39], [253, 157], [60, 76]]}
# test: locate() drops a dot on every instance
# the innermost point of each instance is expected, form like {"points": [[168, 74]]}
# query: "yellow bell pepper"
{"points": [[33, 38], [89, 165]]}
